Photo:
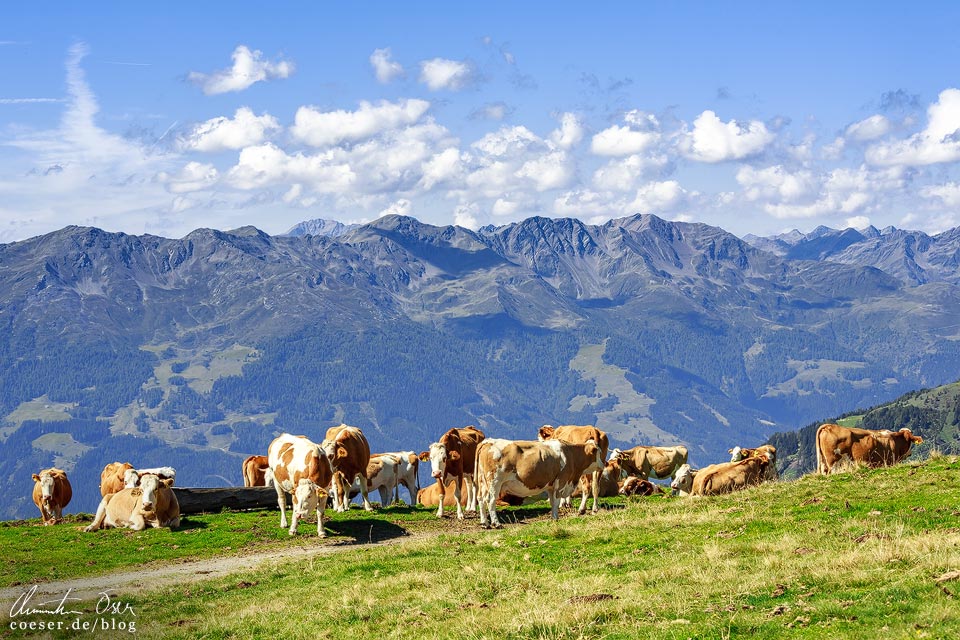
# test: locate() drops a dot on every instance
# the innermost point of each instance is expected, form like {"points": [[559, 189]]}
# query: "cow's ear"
{"points": [[36, 478], [454, 455], [167, 482], [622, 455], [424, 456], [341, 452]]}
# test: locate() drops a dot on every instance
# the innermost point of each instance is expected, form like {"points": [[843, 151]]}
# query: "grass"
{"points": [[854, 555]]}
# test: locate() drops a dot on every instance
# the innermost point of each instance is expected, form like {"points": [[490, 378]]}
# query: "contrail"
{"points": [[164, 135], [129, 64], [29, 100]]}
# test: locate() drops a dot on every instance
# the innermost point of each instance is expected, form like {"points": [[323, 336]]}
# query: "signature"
{"points": [[24, 606]]}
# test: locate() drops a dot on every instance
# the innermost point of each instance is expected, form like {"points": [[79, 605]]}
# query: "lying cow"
{"points": [[528, 468], [739, 453], [51, 493], [872, 448], [256, 472], [152, 504], [131, 478], [349, 454], [683, 480], [728, 477], [576, 434], [300, 468], [636, 486], [111, 478], [454, 455], [430, 497], [661, 462]]}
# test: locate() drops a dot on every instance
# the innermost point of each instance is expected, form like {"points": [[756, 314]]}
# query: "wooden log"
{"points": [[204, 500]]}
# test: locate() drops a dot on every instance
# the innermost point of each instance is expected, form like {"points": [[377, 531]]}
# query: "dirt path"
{"points": [[152, 577]]}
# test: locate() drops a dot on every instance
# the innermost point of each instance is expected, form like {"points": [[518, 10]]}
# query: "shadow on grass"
{"points": [[188, 524], [363, 531]]}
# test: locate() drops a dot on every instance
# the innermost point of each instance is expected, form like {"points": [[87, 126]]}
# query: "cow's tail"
{"points": [[821, 464]]}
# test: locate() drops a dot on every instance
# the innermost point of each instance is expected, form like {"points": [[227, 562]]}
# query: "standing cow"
{"points": [[408, 472], [112, 477], [575, 434], [349, 454], [300, 468], [256, 472], [51, 493], [872, 448], [662, 462], [455, 456], [152, 504], [382, 475]]}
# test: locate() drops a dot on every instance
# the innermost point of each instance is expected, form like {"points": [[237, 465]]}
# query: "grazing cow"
{"points": [[739, 453], [430, 497], [256, 472], [382, 475], [528, 468], [131, 477], [662, 462], [455, 455], [349, 454], [683, 481], [636, 486], [408, 473], [728, 477], [872, 448], [111, 478], [152, 504], [51, 493], [300, 468], [575, 434]]}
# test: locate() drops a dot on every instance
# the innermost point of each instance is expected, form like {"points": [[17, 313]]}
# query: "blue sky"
{"points": [[751, 117]]}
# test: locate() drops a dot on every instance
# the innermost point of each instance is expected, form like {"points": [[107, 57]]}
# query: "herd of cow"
{"points": [[481, 473]]}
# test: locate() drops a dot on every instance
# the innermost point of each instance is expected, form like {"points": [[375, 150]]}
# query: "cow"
{"points": [[408, 472], [256, 472], [636, 486], [528, 468], [454, 455], [349, 454], [872, 448], [152, 504], [300, 468], [575, 434], [683, 480], [131, 477], [382, 474], [727, 477], [662, 462], [739, 453], [430, 497], [610, 482], [51, 493], [111, 478]]}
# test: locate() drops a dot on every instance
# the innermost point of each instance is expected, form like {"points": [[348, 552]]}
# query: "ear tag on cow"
{"points": [[136, 491]]}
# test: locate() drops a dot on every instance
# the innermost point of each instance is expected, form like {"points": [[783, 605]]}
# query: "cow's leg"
{"points": [[493, 491], [443, 495], [385, 495], [101, 514], [457, 495], [554, 503], [471, 493], [596, 492], [584, 491], [321, 507], [282, 502], [363, 491], [482, 510], [137, 523]]}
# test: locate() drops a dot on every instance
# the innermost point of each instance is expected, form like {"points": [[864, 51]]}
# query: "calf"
{"points": [[51, 493], [152, 504], [455, 456], [349, 454], [300, 468], [111, 478], [408, 472], [683, 480], [728, 477], [662, 462], [382, 475], [739, 453], [635, 486], [575, 434], [527, 468], [256, 472]]}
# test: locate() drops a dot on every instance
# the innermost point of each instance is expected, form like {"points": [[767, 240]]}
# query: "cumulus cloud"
{"points": [[401, 207], [570, 132], [493, 111], [440, 73], [548, 171], [441, 167], [193, 177], [384, 67], [621, 141], [622, 174], [948, 194], [938, 142], [219, 134], [842, 191], [856, 222], [871, 128], [659, 197], [465, 215], [713, 140], [248, 68], [777, 183], [325, 128]]}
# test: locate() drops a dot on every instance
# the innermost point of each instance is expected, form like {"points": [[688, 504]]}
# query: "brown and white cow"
{"points": [[527, 468], [131, 478], [683, 480], [430, 497], [152, 504], [872, 448], [112, 477], [739, 453], [610, 481], [383, 475], [637, 486], [256, 471], [300, 468], [51, 493], [727, 477], [577, 434], [408, 472], [349, 454], [455, 456], [662, 462]]}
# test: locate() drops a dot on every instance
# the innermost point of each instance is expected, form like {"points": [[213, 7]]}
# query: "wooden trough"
{"points": [[205, 500]]}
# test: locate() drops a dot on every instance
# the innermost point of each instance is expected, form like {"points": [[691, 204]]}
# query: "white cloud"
{"points": [[589, 205], [871, 128], [440, 73], [385, 68], [441, 167], [506, 141], [493, 111], [948, 194], [401, 207], [856, 222], [325, 128], [621, 141], [505, 207], [465, 215], [623, 174], [938, 142], [194, 176], [218, 134], [549, 171], [248, 68], [842, 191], [776, 183], [713, 140], [570, 132], [659, 197], [266, 164]]}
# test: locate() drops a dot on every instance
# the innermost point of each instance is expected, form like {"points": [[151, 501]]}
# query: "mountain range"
{"points": [[197, 351]]}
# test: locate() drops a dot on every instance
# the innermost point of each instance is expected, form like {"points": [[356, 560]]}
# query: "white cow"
{"points": [[408, 473], [301, 469], [131, 477]]}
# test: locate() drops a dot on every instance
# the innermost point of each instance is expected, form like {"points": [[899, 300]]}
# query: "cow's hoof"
{"points": [[88, 529]]}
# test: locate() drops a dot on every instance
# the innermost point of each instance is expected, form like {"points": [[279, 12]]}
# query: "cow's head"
{"points": [[632, 486], [46, 486], [617, 454], [150, 485], [545, 432], [334, 452], [683, 481], [593, 451], [736, 454], [908, 435], [130, 478], [439, 457], [308, 497]]}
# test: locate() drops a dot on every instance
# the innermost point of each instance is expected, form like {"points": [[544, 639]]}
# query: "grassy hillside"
{"points": [[853, 555]]}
